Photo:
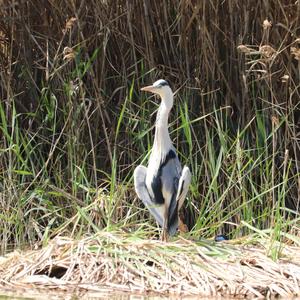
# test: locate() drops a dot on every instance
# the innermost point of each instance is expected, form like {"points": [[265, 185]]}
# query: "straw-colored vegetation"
{"points": [[73, 125], [127, 263]]}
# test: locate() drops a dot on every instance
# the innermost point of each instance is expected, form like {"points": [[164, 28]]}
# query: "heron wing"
{"points": [[143, 194], [183, 185], [173, 216], [170, 172]]}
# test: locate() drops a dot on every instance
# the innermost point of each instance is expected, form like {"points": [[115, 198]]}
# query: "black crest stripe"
{"points": [[164, 83]]}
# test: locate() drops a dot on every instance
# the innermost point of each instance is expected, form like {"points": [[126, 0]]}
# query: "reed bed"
{"points": [[74, 125], [119, 262]]}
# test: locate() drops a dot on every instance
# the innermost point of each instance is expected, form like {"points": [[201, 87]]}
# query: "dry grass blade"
{"points": [[112, 262]]}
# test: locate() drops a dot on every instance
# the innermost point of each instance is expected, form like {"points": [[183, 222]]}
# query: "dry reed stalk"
{"points": [[66, 68], [112, 262]]}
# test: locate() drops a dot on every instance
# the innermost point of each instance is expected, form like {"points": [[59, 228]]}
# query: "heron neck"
{"points": [[162, 138]]}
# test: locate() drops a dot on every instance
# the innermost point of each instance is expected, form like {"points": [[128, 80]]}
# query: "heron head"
{"points": [[161, 87]]}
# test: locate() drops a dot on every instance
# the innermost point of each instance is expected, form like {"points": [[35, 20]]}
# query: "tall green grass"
{"points": [[74, 124], [231, 185]]}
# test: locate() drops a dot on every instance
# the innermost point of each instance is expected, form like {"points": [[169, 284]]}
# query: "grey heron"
{"points": [[163, 185]]}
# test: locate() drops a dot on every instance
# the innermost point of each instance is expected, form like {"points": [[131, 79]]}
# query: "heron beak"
{"points": [[149, 88]]}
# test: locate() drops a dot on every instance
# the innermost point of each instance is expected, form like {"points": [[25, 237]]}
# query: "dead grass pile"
{"points": [[112, 262], [75, 123]]}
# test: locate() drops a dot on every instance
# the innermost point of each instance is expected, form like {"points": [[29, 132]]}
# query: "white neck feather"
{"points": [[162, 140]]}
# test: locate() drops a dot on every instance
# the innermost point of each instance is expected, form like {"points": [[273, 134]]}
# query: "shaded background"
{"points": [[74, 123]]}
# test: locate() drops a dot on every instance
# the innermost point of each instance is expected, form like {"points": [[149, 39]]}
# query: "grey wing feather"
{"points": [[173, 217], [170, 179], [174, 185], [178, 189], [142, 192], [183, 186]]}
